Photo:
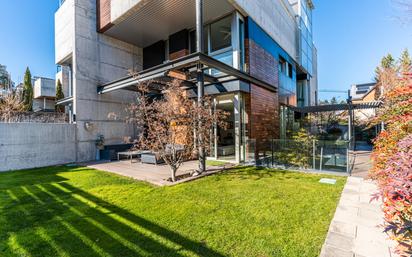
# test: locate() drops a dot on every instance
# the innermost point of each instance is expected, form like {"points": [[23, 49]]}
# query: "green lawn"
{"points": [[215, 163], [62, 211]]}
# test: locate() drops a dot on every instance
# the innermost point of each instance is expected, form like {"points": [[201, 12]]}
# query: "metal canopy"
{"points": [[65, 101], [337, 107], [186, 65]]}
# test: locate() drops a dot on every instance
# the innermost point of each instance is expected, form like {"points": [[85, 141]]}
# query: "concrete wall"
{"points": [[42, 104], [99, 59], [32, 145], [276, 17], [121, 7], [64, 30]]}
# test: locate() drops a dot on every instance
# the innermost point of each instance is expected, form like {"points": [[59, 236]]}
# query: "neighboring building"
{"points": [[364, 93], [44, 94], [259, 61], [19, 89], [6, 84], [359, 91]]}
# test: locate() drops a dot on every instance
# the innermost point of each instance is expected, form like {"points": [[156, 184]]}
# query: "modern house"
{"points": [[44, 94], [257, 60]]}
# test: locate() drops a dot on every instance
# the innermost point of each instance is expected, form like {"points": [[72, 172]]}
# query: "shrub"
{"points": [[301, 156], [397, 196], [392, 155], [9, 106]]}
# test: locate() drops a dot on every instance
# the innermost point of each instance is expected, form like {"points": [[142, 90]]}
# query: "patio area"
{"points": [[154, 174]]}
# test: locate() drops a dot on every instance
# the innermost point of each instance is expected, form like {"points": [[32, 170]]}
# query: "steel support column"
{"points": [[200, 80]]}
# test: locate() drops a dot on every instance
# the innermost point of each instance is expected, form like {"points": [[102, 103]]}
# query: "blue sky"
{"points": [[351, 37], [27, 37]]}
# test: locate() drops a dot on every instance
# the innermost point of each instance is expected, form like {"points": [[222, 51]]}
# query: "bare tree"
{"points": [[9, 105], [170, 123]]}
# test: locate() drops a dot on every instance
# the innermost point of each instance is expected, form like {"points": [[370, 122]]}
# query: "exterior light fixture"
{"points": [[88, 126]]}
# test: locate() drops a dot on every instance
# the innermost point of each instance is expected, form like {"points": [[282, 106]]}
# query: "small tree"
{"points": [[171, 123], [405, 62], [27, 91], [59, 96], [385, 74], [301, 155]]}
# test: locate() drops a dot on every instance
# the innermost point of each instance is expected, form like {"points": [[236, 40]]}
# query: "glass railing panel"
{"points": [[318, 155]]}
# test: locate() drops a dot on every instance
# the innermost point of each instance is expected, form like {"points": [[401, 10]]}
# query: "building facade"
{"points": [[44, 94], [258, 61], [359, 91]]}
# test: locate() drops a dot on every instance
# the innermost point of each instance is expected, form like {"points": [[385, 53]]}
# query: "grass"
{"points": [[69, 211], [215, 163]]}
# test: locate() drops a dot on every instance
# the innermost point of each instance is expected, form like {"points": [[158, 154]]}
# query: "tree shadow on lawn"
{"points": [[51, 219], [35, 176]]}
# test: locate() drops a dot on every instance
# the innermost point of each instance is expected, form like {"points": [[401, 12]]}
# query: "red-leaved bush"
{"points": [[397, 196], [392, 156]]}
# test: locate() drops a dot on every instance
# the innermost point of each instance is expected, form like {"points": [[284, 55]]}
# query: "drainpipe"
{"points": [[200, 79]]}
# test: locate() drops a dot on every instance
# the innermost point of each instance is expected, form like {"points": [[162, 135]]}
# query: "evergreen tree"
{"points": [[388, 62], [405, 62], [59, 96], [27, 91]]}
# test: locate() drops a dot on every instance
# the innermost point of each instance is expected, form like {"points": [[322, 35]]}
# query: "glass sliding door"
{"points": [[229, 143], [226, 137]]}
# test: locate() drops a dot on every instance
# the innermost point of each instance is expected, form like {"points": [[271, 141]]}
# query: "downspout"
{"points": [[200, 80]]}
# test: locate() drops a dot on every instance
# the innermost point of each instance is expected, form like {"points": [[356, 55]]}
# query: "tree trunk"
{"points": [[173, 171]]}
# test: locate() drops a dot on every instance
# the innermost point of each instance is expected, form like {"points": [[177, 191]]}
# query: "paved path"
{"points": [[362, 164], [355, 231]]}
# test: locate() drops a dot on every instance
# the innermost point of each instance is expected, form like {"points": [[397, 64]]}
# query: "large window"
{"points": [[221, 34], [241, 44], [224, 41], [306, 41]]}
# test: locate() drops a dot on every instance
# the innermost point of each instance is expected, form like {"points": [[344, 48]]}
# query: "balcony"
{"points": [[143, 23]]}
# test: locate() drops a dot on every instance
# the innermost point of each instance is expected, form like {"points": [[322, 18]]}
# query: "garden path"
{"points": [[355, 229]]}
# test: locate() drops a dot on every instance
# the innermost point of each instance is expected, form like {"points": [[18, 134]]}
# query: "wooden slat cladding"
{"points": [[264, 104], [261, 64], [103, 15], [179, 54], [264, 113]]}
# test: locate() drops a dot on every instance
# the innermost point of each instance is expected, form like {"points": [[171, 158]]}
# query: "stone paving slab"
{"points": [[355, 229], [155, 174]]}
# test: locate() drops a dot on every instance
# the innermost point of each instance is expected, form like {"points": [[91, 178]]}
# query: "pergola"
{"points": [[338, 107], [186, 70]]}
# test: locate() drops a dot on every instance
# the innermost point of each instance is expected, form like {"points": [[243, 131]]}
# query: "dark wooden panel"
{"points": [[264, 113], [103, 15], [178, 54], [261, 64]]}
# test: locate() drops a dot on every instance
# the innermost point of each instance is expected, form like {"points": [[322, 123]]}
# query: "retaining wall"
{"points": [[33, 145]]}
